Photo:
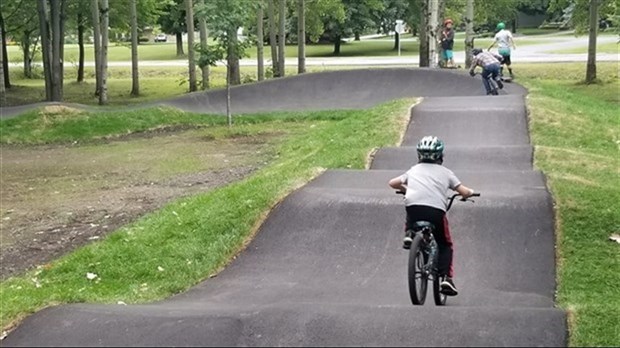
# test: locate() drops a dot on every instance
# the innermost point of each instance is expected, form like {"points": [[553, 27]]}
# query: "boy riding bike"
{"points": [[490, 63], [426, 187], [504, 41]]}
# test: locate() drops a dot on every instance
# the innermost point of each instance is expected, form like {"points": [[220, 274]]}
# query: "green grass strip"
{"points": [[576, 131], [172, 249]]}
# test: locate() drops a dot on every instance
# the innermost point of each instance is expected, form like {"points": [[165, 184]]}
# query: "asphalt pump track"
{"points": [[327, 267]]}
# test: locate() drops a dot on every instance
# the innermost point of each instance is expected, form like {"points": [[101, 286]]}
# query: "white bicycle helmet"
{"points": [[430, 148]]}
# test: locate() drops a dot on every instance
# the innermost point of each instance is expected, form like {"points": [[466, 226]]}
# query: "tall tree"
{"points": [[105, 19], [301, 37], [173, 22], [469, 35], [56, 47], [272, 38], [260, 36], [423, 34], [5, 62], [385, 18], [584, 15], [135, 78], [80, 34], [94, 6], [204, 33], [224, 18], [2, 86], [45, 47], [281, 37], [591, 66], [189, 10]]}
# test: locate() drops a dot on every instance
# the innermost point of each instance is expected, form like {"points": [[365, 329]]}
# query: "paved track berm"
{"points": [[327, 267]]}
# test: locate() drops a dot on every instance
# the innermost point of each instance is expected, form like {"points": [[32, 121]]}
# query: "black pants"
{"points": [[441, 233]]}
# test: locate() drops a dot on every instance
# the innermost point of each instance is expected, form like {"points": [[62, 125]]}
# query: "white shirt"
{"points": [[428, 184], [503, 38]]}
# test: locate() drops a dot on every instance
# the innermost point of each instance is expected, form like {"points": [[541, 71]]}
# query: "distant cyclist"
{"points": [[490, 63], [504, 41], [426, 187]]}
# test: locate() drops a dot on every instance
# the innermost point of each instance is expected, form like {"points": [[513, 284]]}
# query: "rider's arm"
{"points": [[398, 183], [464, 191], [514, 47]]}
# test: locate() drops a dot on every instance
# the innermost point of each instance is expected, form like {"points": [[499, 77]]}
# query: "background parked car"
{"points": [[161, 38]]}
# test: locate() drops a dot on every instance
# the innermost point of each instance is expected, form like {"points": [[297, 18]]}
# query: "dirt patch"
{"points": [[55, 199]]}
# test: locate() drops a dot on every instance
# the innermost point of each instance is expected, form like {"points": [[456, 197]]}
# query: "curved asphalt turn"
{"points": [[327, 267]]}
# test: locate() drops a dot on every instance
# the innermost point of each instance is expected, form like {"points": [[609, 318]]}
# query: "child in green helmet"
{"points": [[504, 41]]}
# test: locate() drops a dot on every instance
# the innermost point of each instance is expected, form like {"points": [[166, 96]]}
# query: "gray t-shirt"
{"points": [[503, 39], [428, 185]]}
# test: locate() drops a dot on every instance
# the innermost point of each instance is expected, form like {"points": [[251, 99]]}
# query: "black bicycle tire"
{"points": [[415, 252], [440, 299]]}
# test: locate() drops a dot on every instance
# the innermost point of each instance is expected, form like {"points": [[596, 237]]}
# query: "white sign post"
{"points": [[400, 28]]}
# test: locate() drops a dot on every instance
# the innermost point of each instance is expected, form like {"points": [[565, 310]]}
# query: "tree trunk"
{"points": [[97, 44], [357, 36], [105, 23], [260, 61], [272, 38], [228, 111], [2, 73], [431, 31], [45, 47], [5, 62], [56, 71], [179, 40], [189, 19], [234, 75], [301, 37], [135, 78], [26, 49], [63, 20], [591, 67], [204, 35], [514, 26], [396, 40], [337, 45], [469, 32], [423, 37], [80, 31], [282, 37]]}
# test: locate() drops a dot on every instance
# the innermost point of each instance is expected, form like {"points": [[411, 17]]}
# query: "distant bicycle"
{"points": [[424, 260]]}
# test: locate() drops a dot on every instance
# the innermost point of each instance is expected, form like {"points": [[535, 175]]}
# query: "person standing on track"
{"points": [[504, 41], [447, 44], [426, 187], [490, 63]]}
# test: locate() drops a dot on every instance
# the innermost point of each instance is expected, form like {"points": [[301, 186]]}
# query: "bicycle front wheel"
{"points": [[440, 299], [418, 279]]}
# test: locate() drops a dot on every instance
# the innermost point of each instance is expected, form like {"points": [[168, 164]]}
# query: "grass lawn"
{"points": [[607, 47], [576, 132]]}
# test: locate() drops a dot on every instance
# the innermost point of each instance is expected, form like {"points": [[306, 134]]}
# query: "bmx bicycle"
{"points": [[424, 260], [492, 83]]}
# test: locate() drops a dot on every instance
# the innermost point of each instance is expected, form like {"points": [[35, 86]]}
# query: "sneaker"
{"points": [[448, 288], [500, 84], [408, 240]]}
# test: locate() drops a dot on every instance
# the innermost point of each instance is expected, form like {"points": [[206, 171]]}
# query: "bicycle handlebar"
{"points": [[451, 199]]}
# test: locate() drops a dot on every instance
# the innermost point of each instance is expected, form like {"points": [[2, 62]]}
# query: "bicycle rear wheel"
{"points": [[440, 299], [418, 280]]}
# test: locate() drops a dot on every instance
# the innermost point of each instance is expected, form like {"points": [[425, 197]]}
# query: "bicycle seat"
{"points": [[421, 225]]}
